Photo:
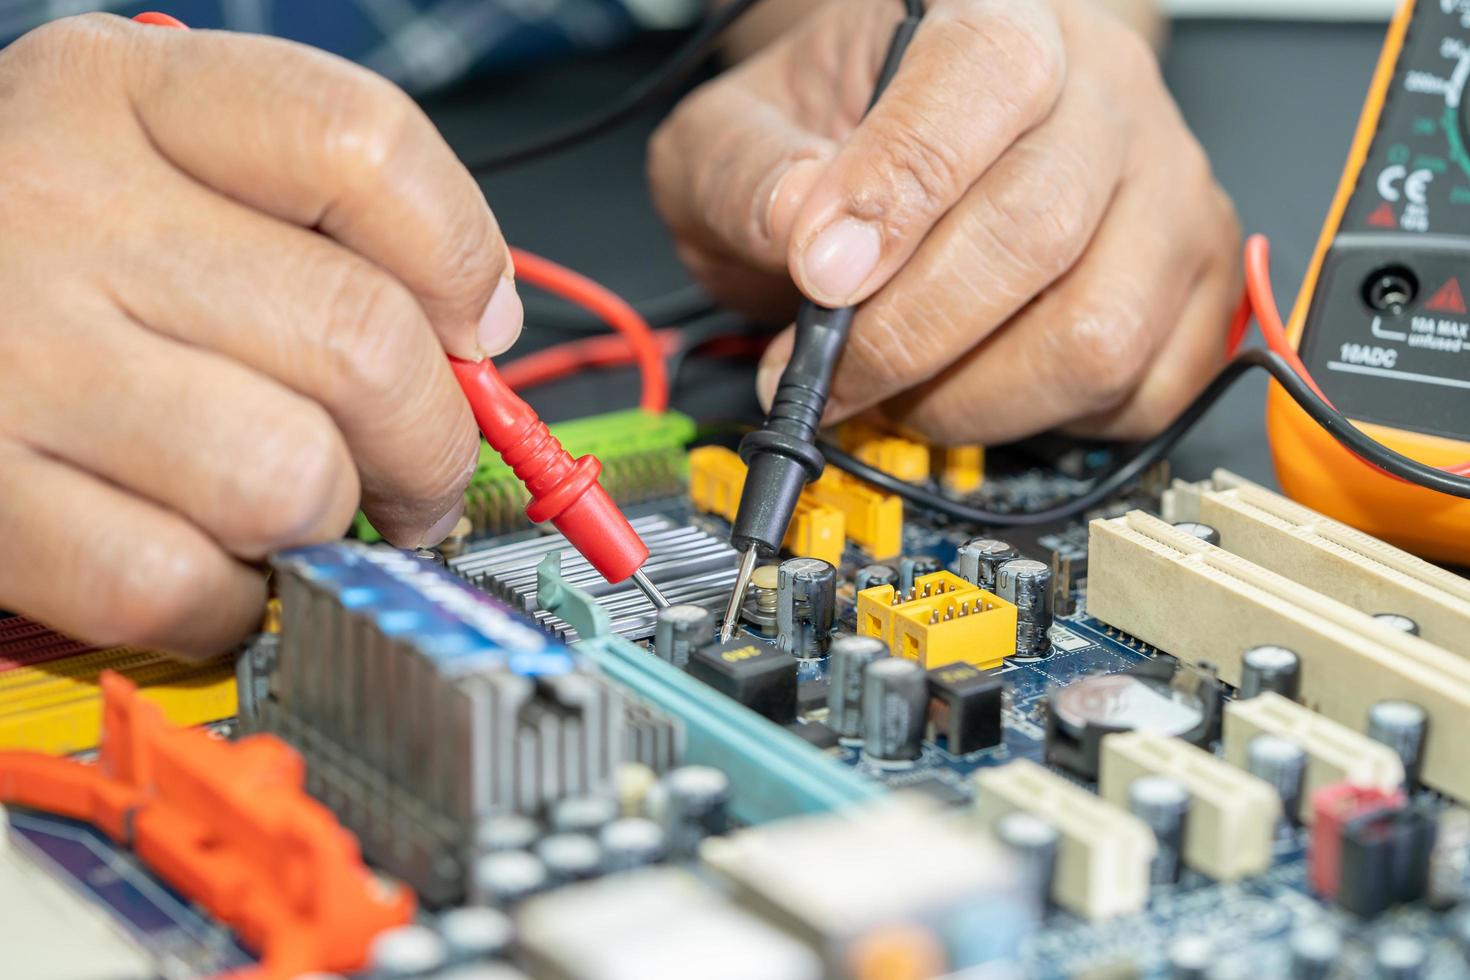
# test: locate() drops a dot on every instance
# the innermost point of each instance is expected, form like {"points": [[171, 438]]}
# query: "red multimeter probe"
{"points": [[563, 491]]}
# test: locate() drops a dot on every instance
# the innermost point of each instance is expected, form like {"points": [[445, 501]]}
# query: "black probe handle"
{"points": [[782, 455]]}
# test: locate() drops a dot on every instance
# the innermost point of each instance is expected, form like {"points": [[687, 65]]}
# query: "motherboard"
{"points": [[1197, 732]]}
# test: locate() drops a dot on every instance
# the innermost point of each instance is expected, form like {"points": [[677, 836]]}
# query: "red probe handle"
{"points": [[563, 491]]}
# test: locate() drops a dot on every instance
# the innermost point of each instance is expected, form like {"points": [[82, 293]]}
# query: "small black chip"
{"points": [[811, 695], [964, 706], [756, 674], [816, 733]]}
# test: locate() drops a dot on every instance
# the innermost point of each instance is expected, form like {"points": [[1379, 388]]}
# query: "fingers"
{"points": [[1122, 340], [977, 75], [327, 324], [88, 558], [1023, 224], [324, 144], [252, 464]]}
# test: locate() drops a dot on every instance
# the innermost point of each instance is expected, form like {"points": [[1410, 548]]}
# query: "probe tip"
{"points": [[742, 582], [646, 586]]}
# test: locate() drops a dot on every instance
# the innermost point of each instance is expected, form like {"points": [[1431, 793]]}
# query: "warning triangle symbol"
{"points": [[1383, 217], [1448, 299]]}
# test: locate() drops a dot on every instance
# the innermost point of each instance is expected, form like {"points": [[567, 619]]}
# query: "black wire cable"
{"points": [[1337, 425], [680, 65]]}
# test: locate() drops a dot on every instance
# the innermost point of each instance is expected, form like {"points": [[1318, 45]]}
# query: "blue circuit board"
{"points": [[182, 938]]}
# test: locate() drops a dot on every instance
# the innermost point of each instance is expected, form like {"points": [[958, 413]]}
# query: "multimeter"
{"points": [[1383, 318]]}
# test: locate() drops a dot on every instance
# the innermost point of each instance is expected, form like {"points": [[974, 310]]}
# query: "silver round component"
{"points": [[1398, 621], [806, 605], [507, 877], [680, 630], [870, 576], [406, 951], [1033, 842], [1403, 727], [1200, 530], [1315, 950], [1399, 956], [570, 857], [583, 814], [1163, 804], [849, 657], [1190, 957], [1125, 702], [506, 832], [632, 842], [1270, 668], [475, 932], [690, 803], [978, 559], [895, 711], [1282, 763], [1026, 584]]}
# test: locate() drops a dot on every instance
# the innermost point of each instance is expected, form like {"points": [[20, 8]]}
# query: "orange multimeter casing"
{"points": [[1381, 320]]}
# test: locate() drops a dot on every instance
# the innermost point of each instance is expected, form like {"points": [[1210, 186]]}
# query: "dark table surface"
{"points": [[1274, 104]]}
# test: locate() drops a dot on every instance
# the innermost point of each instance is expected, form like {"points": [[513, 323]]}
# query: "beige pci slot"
{"points": [[1335, 753], [1104, 853], [1328, 556], [1232, 814], [1204, 604]]}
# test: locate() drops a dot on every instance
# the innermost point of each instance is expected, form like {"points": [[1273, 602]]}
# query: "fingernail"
{"points": [[501, 322], [840, 259], [787, 197], [441, 528], [767, 377]]}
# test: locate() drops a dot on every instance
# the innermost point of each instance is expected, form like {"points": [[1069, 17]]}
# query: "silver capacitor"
{"points": [[911, 567], [1026, 584], [850, 656], [406, 951], [1270, 668], [680, 630], [806, 604], [1282, 763], [979, 558], [1190, 957], [1033, 842], [474, 932], [570, 857], [1403, 727], [1163, 804], [583, 814], [1398, 621], [895, 711], [506, 832], [632, 842], [1400, 956], [690, 803], [506, 877], [1315, 951], [873, 575], [1205, 532]]}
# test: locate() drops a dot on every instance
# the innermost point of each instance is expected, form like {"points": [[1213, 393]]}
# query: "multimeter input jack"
{"points": [[1390, 289]]}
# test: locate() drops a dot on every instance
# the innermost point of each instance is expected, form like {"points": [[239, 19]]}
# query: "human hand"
{"points": [[1035, 236], [230, 267]]}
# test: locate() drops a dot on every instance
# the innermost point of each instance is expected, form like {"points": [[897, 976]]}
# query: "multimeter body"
{"points": [[1383, 318]]}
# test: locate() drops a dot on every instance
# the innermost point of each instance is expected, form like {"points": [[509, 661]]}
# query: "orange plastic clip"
{"points": [[228, 824]]}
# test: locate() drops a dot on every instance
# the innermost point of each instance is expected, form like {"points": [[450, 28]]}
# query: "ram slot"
{"points": [[1103, 854], [1336, 560], [1206, 605]]}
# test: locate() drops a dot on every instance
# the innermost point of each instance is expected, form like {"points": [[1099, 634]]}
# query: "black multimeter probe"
{"points": [[782, 455]]}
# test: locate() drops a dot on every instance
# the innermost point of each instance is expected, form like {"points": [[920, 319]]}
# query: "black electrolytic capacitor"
{"points": [[1384, 859], [1315, 951], [1270, 668], [806, 604], [506, 832], [583, 814], [474, 932], [1398, 621], [1033, 841], [506, 877], [1163, 804], [1403, 727], [1400, 956], [870, 576], [1026, 584], [690, 803], [978, 559], [895, 703], [632, 842], [1282, 763], [406, 951], [680, 630], [849, 656], [570, 857]]}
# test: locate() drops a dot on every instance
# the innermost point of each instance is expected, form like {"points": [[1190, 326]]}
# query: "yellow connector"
{"points": [[959, 469], [716, 477], [874, 519], [905, 458], [943, 620], [56, 707]]}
